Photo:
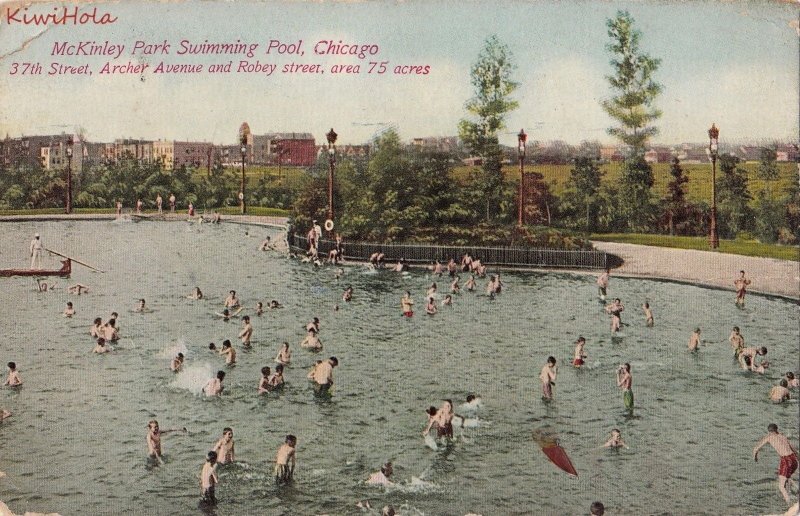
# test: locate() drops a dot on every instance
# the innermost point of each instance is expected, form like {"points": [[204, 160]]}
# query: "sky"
{"points": [[731, 63]]}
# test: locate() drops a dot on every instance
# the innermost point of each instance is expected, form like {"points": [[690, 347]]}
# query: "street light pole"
{"points": [[241, 191], [68, 204], [331, 136], [521, 139], [713, 148]]}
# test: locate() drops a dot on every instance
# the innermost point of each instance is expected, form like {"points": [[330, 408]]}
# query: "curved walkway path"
{"points": [[707, 268]]}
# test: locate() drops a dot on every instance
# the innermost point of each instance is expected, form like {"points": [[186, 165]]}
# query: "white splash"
{"points": [[172, 349], [193, 378]]}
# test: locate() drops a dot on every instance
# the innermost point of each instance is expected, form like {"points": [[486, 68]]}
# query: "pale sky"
{"points": [[732, 63]]}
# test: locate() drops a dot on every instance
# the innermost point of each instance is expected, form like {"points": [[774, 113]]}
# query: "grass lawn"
{"points": [[742, 247], [697, 189]]}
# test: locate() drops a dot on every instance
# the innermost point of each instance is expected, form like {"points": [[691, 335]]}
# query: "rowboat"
{"points": [[64, 271]]}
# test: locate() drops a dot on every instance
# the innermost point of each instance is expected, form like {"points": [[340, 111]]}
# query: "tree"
{"points": [[584, 186], [768, 168], [675, 201], [491, 78], [733, 197], [633, 84], [632, 107]]}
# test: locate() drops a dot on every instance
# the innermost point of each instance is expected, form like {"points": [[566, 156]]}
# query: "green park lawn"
{"points": [[741, 247]]}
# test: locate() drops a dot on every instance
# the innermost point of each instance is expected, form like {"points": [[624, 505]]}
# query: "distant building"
{"points": [[140, 150], [659, 155], [175, 154], [436, 143], [298, 149], [48, 152]]}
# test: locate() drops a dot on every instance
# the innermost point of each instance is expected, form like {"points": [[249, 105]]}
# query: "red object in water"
{"points": [[64, 271], [559, 457]]}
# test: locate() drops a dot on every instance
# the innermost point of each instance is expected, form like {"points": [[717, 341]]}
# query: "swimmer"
{"points": [[101, 347], [747, 359], [376, 260], [780, 392], [212, 347], [579, 358], [177, 363], [347, 295], [548, 378], [214, 386], [431, 291], [470, 284], [313, 325], [276, 381], [42, 286], [597, 509], [4, 414], [473, 403], [259, 308], [602, 283], [741, 283], [13, 379], [226, 314], [77, 289], [231, 301], [454, 288], [338, 274], [225, 447], [615, 309], [154, 439], [311, 342], [788, 455], [274, 304], [382, 477], [247, 331], [208, 479], [466, 262], [229, 352], [792, 382], [430, 308], [196, 294], [407, 304], [648, 314], [284, 356], [400, 266], [141, 307], [442, 419], [323, 376], [615, 441], [266, 244], [694, 340], [263, 383], [448, 300], [737, 342], [110, 331], [625, 382], [437, 268], [452, 267], [286, 452], [96, 330], [312, 371], [69, 311]]}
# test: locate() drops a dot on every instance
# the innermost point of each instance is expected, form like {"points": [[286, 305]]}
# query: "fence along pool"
{"points": [[498, 256]]}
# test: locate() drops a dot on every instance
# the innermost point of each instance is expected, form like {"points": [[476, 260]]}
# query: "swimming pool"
{"points": [[76, 442]]}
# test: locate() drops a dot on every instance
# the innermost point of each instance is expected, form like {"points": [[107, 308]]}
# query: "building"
{"points": [[176, 154], [658, 155], [140, 150], [293, 149], [48, 152]]}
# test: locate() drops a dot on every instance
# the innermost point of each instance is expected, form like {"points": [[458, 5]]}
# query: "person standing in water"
{"points": [[286, 453], [13, 379], [741, 283], [247, 331], [407, 304], [548, 378], [615, 309], [625, 382], [224, 447], [154, 439], [214, 386], [694, 340], [737, 342], [788, 455], [323, 376], [579, 358], [602, 283], [229, 352], [208, 479], [648, 314]]}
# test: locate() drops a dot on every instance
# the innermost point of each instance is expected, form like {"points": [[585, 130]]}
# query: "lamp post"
{"points": [[713, 147], [521, 139], [241, 191], [68, 204], [331, 136]]}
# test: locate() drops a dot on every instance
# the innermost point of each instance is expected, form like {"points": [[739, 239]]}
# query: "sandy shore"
{"points": [[707, 268]]}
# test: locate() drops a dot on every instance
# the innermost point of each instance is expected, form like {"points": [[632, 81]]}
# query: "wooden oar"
{"points": [[73, 259]]}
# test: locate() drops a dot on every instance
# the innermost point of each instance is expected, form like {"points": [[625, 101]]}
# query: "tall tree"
{"points": [[675, 201], [584, 186], [487, 109], [633, 84], [768, 168], [733, 197], [632, 106]]}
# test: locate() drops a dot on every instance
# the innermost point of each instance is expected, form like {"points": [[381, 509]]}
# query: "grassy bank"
{"points": [[741, 247]]}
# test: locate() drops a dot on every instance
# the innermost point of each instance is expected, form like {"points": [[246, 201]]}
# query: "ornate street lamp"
{"points": [[331, 136], [713, 148], [521, 139], [68, 204], [241, 191]]}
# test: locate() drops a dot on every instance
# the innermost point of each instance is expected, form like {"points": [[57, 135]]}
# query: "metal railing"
{"points": [[427, 254]]}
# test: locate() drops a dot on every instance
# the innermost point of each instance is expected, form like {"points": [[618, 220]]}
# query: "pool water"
{"points": [[76, 442]]}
